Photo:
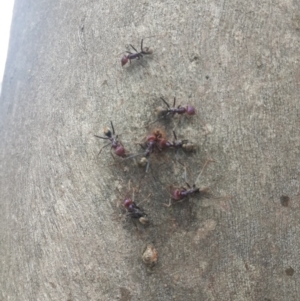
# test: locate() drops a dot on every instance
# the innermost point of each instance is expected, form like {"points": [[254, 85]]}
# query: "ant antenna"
{"points": [[165, 102], [112, 127], [101, 137], [102, 147], [204, 166], [133, 47], [174, 134]]}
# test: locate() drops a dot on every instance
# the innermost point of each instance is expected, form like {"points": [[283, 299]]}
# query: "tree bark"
{"points": [[64, 235]]}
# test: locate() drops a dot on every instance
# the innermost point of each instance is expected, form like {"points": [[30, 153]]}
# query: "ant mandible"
{"points": [[138, 55], [117, 146]]}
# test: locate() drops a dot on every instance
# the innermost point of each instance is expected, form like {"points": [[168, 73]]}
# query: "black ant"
{"points": [[163, 113], [138, 55], [178, 194], [117, 146]]}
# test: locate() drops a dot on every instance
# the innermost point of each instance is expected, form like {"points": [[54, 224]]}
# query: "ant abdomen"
{"points": [[190, 110], [176, 194], [127, 203], [120, 151], [150, 138]]}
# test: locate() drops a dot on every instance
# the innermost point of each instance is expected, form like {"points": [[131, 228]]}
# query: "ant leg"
{"points": [[204, 166], [174, 102], [170, 203], [148, 163], [141, 145], [102, 148], [145, 200], [185, 174], [174, 134], [101, 137], [133, 48], [133, 156], [165, 102], [112, 155], [142, 44], [152, 122], [112, 126]]}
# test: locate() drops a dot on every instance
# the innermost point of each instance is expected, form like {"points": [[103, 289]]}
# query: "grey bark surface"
{"points": [[63, 233]]}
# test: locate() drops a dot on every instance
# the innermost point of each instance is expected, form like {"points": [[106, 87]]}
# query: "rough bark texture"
{"points": [[63, 234]]}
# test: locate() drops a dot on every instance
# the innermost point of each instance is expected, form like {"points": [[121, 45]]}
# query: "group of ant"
{"points": [[155, 142]]}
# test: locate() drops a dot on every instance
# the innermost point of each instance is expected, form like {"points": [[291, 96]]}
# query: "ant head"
{"points": [[124, 60], [147, 50], [107, 132], [189, 146]]}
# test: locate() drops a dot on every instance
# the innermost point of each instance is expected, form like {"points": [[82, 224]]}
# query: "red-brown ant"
{"points": [[163, 113], [154, 142], [184, 144], [182, 192], [138, 55], [117, 146], [178, 194], [135, 212]]}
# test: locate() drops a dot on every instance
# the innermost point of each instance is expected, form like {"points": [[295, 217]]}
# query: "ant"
{"points": [[183, 192], [178, 194], [135, 212], [138, 55], [154, 141], [117, 146], [184, 144], [163, 113]]}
